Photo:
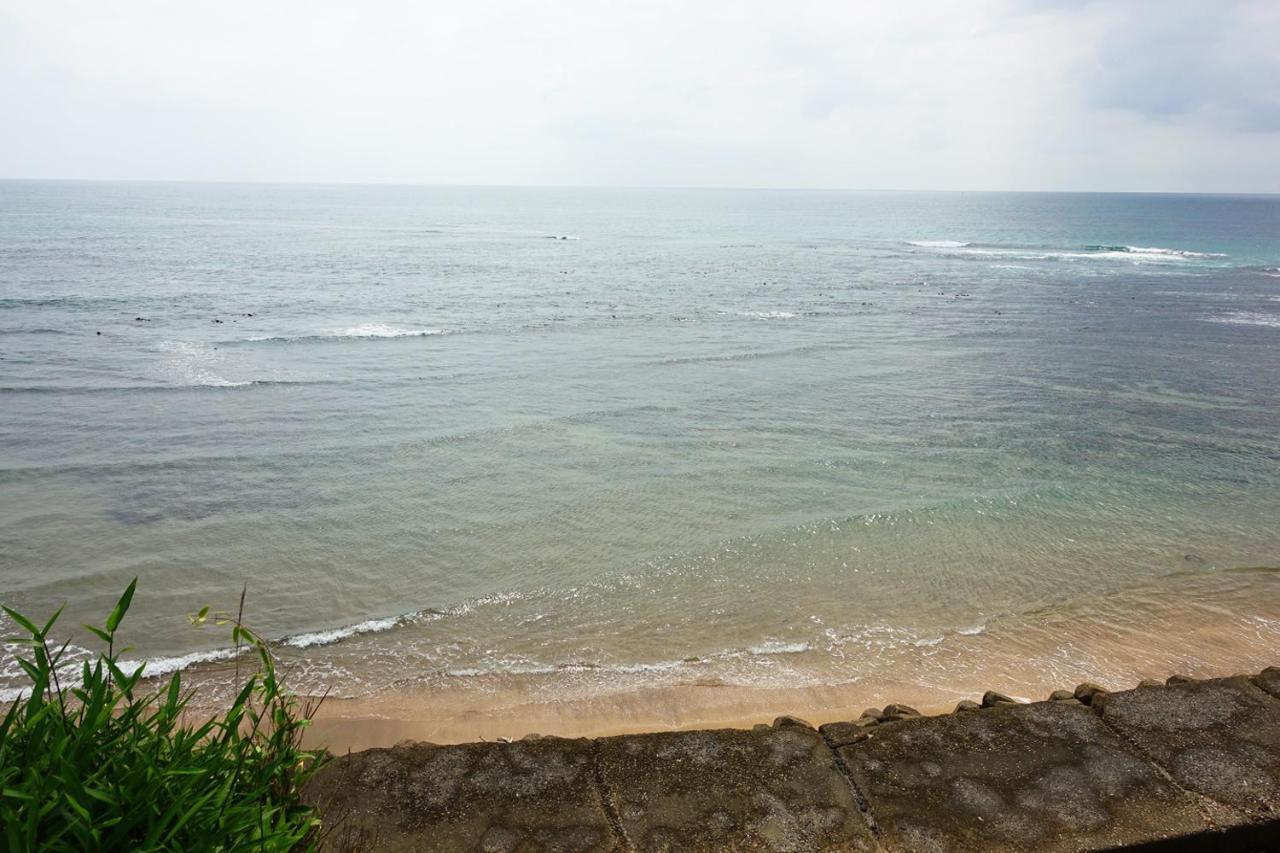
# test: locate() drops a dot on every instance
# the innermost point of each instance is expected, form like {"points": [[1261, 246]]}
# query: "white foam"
{"points": [[70, 671], [333, 635], [1248, 318], [974, 631], [770, 315], [1132, 254], [778, 647], [365, 330], [381, 330], [496, 598], [659, 666], [156, 667], [938, 244], [1179, 253]]}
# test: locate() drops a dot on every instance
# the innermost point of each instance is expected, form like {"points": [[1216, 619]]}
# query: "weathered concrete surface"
{"points": [[492, 797], [1047, 776], [773, 789], [1188, 766], [1219, 738]]}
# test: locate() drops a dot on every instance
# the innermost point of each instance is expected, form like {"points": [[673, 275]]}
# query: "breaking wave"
{"points": [[364, 331], [156, 667], [1136, 254], [333, 635], [70, 672], [1154, 250], [1248, 318]]}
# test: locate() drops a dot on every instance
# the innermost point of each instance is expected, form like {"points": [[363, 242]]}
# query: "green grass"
{"points": [[106, 765]]}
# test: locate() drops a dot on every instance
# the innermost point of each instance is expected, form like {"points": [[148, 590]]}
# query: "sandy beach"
{"points": [[1025, 658]]}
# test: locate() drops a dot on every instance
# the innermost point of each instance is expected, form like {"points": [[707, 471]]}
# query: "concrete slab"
{"points": [[1049, 776], [767, 789], [493, 797], [1219, 738]]}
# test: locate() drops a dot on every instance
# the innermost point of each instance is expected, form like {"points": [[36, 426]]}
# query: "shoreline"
{"points": [[1025, 659], [394, 717]]}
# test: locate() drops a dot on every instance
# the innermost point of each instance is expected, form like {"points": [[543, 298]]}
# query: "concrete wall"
{"points": [[1187, 765]]}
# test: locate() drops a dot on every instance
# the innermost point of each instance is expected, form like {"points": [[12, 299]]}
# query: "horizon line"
{"points": [[655, 187]]}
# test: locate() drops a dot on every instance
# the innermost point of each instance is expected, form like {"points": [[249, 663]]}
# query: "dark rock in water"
{"points": [[1061, 696], [99, 333], [141, 320], [869, 717], [1193, 558], [1269, 680], [842, 734], [1086, 691], [991, 698], [898, 712], [1178, 679], [1150, 682], [787, 721], [967, 705]]}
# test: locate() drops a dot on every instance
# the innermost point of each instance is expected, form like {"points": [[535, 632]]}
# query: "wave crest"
{"points": [[363, 331], [1248, 318], [1154, 250], [1047, 252], [333, 635]]}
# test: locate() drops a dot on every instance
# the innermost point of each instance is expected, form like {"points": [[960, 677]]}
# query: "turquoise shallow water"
{"points": [[484, 432]]}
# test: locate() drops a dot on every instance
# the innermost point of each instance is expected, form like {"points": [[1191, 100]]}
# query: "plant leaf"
{"points": [[122, 607]]}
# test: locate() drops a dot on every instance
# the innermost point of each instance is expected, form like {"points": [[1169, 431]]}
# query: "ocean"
{"points": [[504, 448]]}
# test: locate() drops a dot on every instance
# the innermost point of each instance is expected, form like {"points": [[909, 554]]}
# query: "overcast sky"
{"points": [[982, 94]]}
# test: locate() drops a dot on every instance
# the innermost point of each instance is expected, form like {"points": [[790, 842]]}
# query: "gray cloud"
{"points": [[1183, 61], [941, 94]]}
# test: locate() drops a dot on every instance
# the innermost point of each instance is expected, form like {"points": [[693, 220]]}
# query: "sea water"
{"points": [[587, 441]]}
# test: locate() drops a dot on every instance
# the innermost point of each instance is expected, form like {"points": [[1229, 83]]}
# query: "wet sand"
{"points": [[1019, 658]]}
